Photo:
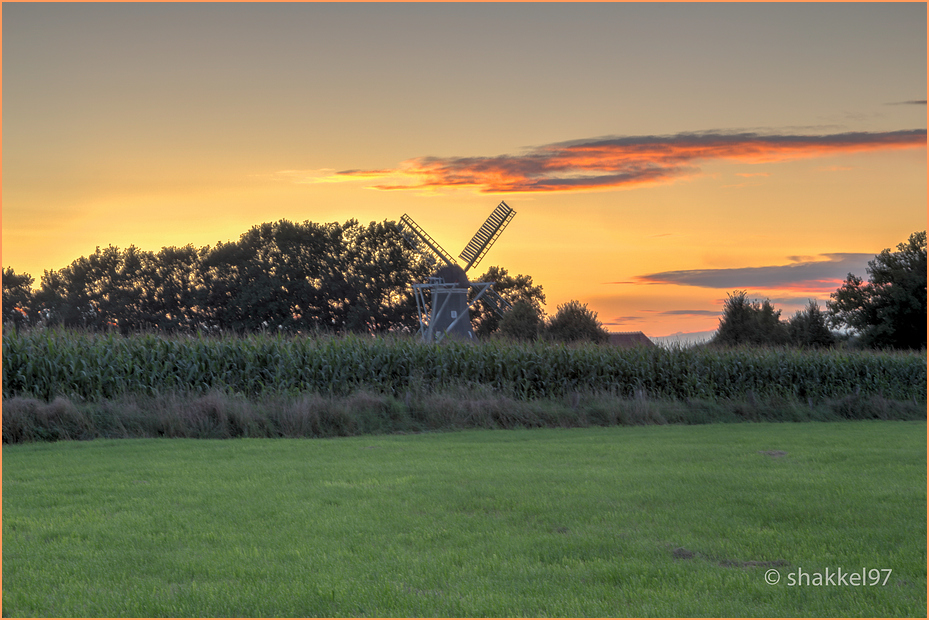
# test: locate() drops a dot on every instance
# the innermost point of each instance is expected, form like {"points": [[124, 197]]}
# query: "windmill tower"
{"points": [[449, 286]]}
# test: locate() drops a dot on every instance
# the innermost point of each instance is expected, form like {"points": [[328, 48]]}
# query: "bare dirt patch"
{"points": [[681, 553], [750, 563], [774, 454]]}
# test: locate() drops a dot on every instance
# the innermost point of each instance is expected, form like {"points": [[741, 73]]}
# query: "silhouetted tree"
{"points": [[380, 269], [109, 289], [337, 277], [512, 288], [522, 322], [18, 298], [175, 299], [807, 328], [280, 275], [890, 309], [574, 322], [750, 322], [277, 273], [70, 296]]}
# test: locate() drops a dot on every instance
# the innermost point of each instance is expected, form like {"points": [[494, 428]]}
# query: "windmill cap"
{"points": [[453, 273]]}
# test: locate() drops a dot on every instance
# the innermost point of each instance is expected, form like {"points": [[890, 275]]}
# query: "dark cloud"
{"points": [[913, 102], [689, 312], [807, 275], [622, 320]]}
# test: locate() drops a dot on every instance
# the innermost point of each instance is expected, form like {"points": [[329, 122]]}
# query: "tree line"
{"points": [[888, 311], [310, 277], [281, 275], [295, 277]]}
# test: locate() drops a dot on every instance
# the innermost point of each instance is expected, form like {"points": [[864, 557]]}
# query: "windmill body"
{"points": [[447, 310], [451, 303]]}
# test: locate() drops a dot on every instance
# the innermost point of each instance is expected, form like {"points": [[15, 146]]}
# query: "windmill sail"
{"points": [[450, 308], [486, 235], [496, 302], [423, 243]]}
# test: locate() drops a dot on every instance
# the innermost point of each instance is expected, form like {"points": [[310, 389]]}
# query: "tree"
{"points": [[175, 299], [379, 270], [309, 276], [278, 273], [889, 311], [750, 322], [111, 288], [77, 295], [511, 288], [18, 298], [338, 277], [521, 322], [807, 328], [574, 322]]}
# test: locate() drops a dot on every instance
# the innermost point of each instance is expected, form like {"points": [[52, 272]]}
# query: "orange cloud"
{"points": [[620, 161]]}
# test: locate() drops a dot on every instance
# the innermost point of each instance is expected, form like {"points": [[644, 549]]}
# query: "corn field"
{"points": [[46, 364]]}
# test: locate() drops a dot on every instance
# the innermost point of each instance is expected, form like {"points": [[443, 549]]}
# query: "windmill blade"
{"points": [[486, 235], [423, 243], [496, 302]]}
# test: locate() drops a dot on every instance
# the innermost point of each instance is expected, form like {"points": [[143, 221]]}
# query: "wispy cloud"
{"points": [[623, 320], [649, 315], [911, 102], [819, 275], [689, 313], [613, 162], [321, 175]]}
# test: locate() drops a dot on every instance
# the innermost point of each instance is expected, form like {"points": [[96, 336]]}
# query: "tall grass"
{"points": [[74, 385], [49, 363], [220, 415]]}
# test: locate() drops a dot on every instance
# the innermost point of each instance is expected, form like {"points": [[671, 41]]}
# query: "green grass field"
{"points": [[621, 521]]}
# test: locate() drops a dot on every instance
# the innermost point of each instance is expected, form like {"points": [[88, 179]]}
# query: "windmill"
{"points": [[449, 285]]}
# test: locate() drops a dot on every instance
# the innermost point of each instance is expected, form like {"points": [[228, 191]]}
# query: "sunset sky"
{"points": [[658, 156]]}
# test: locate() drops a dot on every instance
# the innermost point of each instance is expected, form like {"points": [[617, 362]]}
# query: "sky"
{"points": [[659, 157]]}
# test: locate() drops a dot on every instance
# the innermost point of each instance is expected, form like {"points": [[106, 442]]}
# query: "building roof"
{"points": [[630, 339]]}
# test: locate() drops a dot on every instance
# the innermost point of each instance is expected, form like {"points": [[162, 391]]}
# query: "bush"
{"points": [[889, 310], [574, 322], [808, 328], [750, 322], [523, 322]]}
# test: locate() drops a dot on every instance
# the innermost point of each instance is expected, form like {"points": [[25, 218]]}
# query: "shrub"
{"points": [[889, 310], [807, 328], [750, 322], [574, 322], [523, 322]]}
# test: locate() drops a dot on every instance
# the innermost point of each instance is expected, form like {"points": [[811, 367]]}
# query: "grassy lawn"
{"points": [[628, 521]]}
